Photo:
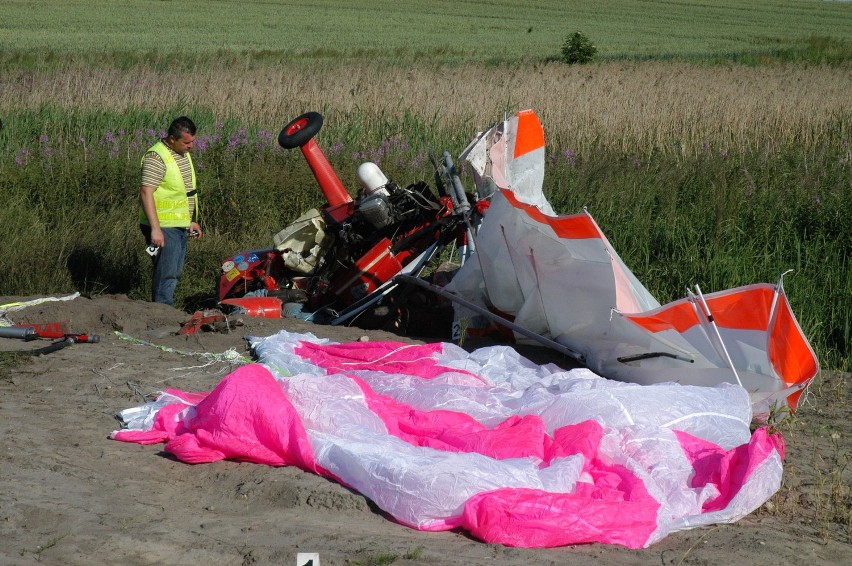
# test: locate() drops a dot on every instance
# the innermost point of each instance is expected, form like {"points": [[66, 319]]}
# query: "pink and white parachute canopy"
{"points": [[515, 453]]}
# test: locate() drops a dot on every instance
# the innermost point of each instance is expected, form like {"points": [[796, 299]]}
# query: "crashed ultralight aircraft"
{"points": [[516, 453], [552, 279], [559, 277]]}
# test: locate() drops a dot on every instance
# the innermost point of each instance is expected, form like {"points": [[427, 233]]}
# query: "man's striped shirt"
{"points": [[154, 171]]}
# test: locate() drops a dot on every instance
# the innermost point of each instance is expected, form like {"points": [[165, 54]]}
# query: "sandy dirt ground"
{"points": [[70, 495]]}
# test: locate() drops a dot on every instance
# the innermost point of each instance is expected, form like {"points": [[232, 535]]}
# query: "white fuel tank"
{"points": [[372, 178]]}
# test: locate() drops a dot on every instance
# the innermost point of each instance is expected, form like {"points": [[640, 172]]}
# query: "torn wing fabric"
{"points": [[510, 155], [515, 453], [559, 277]]}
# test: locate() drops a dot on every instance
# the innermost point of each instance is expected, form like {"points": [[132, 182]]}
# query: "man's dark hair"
{"points": [[180, 126]]}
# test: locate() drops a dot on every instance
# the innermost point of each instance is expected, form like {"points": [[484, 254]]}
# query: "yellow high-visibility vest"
{"points": [[170, 197]]}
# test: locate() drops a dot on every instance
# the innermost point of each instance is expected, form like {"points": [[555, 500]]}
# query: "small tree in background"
{"points": [[578, 49]]}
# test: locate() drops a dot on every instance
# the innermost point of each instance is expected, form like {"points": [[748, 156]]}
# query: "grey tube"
{"points": [[20, 332]]}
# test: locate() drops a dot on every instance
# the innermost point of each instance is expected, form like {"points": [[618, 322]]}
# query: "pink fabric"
{"points": [[516, 437], [615, 508], [532, 518], [165, 422], [728, 470], [248, 417], [387, 357], [165, 425]]}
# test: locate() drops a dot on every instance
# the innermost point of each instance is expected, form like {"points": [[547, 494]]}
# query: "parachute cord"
{"points": [[229, 356], [392, 352]]}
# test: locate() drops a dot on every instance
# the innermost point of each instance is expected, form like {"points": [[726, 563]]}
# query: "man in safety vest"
{"points": [[169, 206]]}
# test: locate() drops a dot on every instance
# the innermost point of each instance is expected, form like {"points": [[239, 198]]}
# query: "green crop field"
{"points": [[436, 30]]}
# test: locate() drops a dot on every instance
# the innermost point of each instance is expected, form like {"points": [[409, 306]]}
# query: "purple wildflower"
{"points": [[569, 156], [43, 138], [163, 134], [337, 147], [218, 125], [723, 153], [19, 161], [150, 131], [120, 132], [81, 139]]}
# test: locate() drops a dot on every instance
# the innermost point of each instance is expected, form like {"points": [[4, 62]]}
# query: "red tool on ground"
{"points": [[52, 331], [213, 320]]}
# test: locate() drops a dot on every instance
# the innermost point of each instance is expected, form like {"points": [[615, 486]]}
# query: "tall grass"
{"points": [[710, 175], [643, 108]]}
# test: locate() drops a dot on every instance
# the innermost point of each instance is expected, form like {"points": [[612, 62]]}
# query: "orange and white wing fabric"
{"points": [[559, 277], [510, 155], [755, 331]]}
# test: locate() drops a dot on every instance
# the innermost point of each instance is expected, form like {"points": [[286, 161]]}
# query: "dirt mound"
{"points": [[102, 315], [108, 315]]}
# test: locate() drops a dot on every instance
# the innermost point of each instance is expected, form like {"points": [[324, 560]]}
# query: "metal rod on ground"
{"points": [[490, 315], [715, 328]]}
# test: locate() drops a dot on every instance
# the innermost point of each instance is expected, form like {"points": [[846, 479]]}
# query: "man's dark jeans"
{"points": [[168, 263]]}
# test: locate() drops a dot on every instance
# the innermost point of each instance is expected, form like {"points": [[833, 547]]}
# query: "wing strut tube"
{"points": [[709, 317]]}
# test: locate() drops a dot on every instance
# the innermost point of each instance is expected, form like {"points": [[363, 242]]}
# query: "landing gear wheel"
{"points": [[300, 130]]}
